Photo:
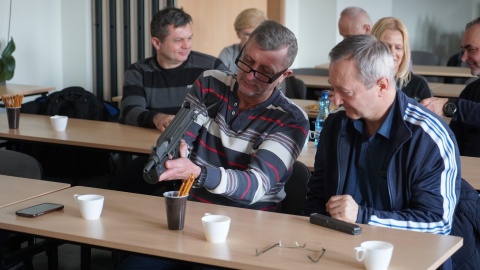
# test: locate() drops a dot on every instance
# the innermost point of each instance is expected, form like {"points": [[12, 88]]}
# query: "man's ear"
{"points": [[384, 85], [367, 29], [287, 73], [156, 43]]}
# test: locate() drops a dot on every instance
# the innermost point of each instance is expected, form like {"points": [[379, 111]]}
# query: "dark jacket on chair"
{"points": [[466, 224]]}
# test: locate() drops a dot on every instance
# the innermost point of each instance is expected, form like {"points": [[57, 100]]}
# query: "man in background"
{"points": [[464, 111], [154, 88], [245, 22], [354, 21]]}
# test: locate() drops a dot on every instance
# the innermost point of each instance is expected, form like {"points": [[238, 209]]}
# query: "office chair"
{"points": [[466, 224], [426, 59], [11, 252], [426, 80], [310, 71], [294, 88], [20, 165], [456, 61], [296, 190]]}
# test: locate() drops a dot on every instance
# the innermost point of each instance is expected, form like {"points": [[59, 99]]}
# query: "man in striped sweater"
{"points": [[240, 151], [154, 88], [241, 155]]}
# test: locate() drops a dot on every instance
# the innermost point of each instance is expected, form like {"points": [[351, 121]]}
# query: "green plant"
{"points": [[7, 62]]}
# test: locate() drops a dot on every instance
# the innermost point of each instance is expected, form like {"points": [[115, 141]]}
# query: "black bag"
{"points": [[70, 161], [74, 102]]}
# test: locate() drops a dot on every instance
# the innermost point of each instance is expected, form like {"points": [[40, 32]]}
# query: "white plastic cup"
{"points": [[90, 205], [59, 122], [215, 227], [376, 255]]}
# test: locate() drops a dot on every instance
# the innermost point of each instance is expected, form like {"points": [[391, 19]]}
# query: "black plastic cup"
{"points": [[13, 115], [175, 207]]}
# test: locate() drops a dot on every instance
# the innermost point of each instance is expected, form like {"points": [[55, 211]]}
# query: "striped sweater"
{"points": [[149, 89], [248, 155]]}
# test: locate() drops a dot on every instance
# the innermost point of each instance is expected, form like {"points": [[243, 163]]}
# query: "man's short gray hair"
{"points": [[372, 58], [472, 23], [272, 36]]}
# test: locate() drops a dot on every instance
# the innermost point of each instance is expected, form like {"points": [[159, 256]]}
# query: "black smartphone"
{"points": [[39, 209]]}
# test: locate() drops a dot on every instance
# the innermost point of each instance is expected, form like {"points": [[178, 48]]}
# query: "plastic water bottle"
{"points": [[323, 111]]}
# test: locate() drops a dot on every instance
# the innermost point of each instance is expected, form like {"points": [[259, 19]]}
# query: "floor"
{"points": [[69, 259]]}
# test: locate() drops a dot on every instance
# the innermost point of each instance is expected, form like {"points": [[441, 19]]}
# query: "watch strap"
{"points": [[201, 178], [450, 107]]}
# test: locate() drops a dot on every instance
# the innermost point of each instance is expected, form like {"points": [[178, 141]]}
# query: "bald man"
{"points": [[354, 21]]}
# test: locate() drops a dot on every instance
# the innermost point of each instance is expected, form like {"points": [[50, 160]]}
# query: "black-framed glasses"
{"points": [[257, 74], [315, 247]]}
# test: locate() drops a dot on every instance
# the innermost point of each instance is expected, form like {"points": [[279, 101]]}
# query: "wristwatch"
{"points": [[450, 108], [201, 178]]}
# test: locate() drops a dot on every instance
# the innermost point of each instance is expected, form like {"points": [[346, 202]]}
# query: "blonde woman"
{"points": [[244, 25], [393, 32]]}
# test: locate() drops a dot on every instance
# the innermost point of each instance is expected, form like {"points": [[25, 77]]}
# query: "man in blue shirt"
{"points": [[384, 160]]}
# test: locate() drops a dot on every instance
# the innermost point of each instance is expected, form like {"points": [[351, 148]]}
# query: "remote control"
{"points": [[335, 224]]}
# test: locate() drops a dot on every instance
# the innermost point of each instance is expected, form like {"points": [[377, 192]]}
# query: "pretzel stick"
{"points": [[190, 181], [12, 101], [18, 100], [186, 186], [182, 188]]}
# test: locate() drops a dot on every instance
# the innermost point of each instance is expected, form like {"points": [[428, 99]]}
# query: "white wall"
{"points": [[36, 29], [76, 47], [53, 42], [314, 22], [4, 23], [53, 37], [313, 28], [436, 25]]}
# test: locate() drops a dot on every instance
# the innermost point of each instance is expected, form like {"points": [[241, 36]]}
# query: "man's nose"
{"points": [[336, 98], [464, 56]]}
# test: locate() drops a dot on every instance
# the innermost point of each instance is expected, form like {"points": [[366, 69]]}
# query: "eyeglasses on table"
{"points": [[316, 247]]}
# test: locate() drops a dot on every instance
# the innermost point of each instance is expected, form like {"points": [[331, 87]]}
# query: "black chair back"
{"points": [[20, 165], [466, 224], [296, 190], [310, 71], [294, 88]]}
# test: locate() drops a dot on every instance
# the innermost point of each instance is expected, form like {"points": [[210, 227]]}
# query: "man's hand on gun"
{"points": [[180, 168], [163, 163]]}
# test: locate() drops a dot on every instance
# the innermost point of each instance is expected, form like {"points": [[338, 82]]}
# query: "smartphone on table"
{"points": [[39, 209]]}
